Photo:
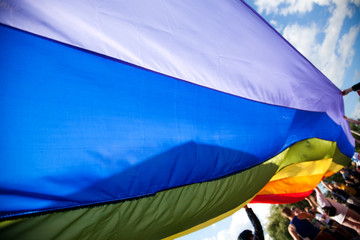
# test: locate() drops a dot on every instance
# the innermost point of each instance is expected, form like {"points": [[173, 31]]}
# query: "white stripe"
{"points": [[218, 44]]}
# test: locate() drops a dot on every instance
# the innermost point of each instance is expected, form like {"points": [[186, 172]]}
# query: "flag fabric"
{"points": [[152, 119]]}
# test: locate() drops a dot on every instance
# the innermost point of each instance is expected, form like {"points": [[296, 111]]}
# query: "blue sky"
{"points": [[327, 33]]}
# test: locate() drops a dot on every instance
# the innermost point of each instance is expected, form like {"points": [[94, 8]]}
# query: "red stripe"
{"points": [[281, 198]]}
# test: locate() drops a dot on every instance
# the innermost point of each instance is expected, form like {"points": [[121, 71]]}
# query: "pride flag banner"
{"points": [[152, 119]]}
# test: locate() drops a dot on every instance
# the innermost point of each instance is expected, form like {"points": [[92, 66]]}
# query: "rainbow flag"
{"points": [[151, 119]]}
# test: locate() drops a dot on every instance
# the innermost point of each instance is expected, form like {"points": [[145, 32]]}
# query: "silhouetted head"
{"points": [[246, 235], [286, 212]]}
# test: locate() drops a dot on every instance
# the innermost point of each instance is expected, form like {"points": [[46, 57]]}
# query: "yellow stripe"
{"points": [[304, 169], [301, 177]]}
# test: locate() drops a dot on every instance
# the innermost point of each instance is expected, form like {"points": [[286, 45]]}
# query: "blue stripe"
{"points": [[77, 129]]}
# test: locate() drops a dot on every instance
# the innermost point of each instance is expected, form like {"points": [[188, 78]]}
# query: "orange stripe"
{"points": [[295, 180], [291, 185]]}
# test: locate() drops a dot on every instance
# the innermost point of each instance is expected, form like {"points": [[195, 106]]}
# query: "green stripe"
{"points": [[167, 212]]}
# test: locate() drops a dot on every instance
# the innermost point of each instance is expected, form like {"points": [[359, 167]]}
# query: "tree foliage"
{"points": [[356, 128]]}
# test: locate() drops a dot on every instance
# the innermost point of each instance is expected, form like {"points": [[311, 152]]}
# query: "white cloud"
{"points": [[212, 238], [268, 6], [303, 38], [356, 2], [334, 54], [286, 7], [297, 6], [273, 23], [239, 222], [277, 26], [267, 237], [338, 63], [224, 235]]}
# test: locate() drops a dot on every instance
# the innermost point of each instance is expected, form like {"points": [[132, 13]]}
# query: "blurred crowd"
{"points": [[335, 216]]}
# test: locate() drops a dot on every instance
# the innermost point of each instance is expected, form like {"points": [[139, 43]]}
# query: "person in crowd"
{"points": [[340, 195], [301, 228], [338, 212], [308, 210], [351, 177], [258, 231], [340, 231], [321, 225]]}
